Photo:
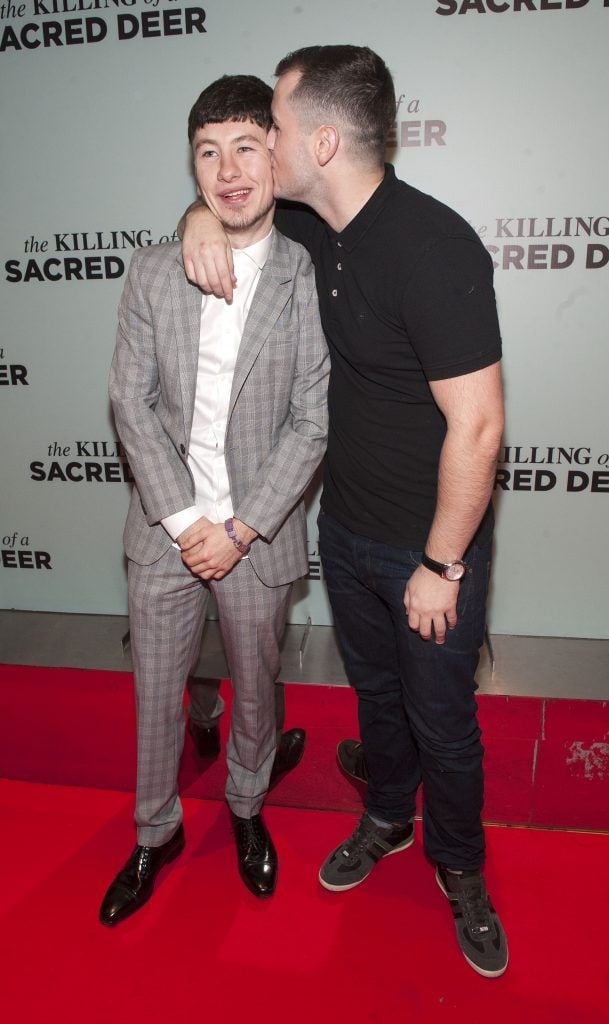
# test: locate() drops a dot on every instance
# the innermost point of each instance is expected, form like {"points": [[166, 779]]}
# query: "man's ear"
{"points": [[326, 143]]}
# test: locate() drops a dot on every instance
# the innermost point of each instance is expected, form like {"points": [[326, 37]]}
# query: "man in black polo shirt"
{"points": [[416, 417]]}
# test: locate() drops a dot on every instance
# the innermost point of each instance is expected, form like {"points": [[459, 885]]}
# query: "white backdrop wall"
{"points": [[502, 113]]}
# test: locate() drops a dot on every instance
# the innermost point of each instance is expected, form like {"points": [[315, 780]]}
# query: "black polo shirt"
{"points": [[406, 297]]}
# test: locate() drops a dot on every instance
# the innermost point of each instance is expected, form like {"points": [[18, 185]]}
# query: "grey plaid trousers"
{"points": [[167, 607]]}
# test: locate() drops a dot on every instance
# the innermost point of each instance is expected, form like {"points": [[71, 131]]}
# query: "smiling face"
{"points": [[233, 171]]}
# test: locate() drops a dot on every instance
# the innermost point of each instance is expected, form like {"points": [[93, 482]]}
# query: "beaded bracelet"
{"points": [[242, 548]]}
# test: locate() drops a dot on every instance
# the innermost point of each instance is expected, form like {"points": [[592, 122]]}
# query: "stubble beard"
{"points": [[242, 220]]}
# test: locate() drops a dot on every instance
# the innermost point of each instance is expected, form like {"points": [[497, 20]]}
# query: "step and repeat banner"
{"points": [[501, 113]]}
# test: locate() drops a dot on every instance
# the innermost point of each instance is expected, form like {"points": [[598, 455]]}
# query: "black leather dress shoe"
{"points": [[207, 740], [256, 855], [133, 886], [351, 758], [289, 752]]}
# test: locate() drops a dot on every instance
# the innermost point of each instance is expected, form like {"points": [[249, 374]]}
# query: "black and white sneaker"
{"points": [[479, 930], [352, 861]]}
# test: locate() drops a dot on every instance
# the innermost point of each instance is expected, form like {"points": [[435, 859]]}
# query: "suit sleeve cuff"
{"points": [[178, 522]]}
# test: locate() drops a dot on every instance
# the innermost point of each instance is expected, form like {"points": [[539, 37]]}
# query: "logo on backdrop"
{"points": [[35, 23], [17, 553], [412, 130], [99, 462], [447, 7], [12, 374], [542, 467], [45, 258], [547, 243]]}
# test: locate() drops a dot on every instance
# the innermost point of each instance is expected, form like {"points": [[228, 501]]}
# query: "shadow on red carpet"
{"points": [[546, 761]]}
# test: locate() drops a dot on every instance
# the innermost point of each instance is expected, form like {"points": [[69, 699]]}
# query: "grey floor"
{"points": [[519, 666]]}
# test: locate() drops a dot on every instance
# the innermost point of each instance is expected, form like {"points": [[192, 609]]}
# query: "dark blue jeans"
{"points": [[416, 698]]}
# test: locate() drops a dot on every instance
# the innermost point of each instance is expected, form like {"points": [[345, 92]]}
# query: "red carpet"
{"points": [[205, 949], [547, 761]]}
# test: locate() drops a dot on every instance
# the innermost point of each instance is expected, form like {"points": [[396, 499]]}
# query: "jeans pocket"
{"points": [[471, 604], [466, 588]]}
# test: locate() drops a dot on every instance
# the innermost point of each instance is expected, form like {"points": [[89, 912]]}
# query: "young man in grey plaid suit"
{"points": [[222, 411]]}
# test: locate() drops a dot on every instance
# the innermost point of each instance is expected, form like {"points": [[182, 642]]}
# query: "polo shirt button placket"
{"points": [[339, 266]]}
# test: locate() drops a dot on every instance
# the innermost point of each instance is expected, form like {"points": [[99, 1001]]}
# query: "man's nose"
{"points": [[228, 169], [270, 139]]}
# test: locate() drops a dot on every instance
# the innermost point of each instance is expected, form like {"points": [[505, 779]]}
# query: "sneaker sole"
{"points": [[476, 967], [352, 885]]}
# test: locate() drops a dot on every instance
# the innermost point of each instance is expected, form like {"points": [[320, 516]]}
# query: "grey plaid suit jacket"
{"points": [[277, 423]]}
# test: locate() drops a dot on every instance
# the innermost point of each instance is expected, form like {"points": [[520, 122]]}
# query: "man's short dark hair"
{"points": [[232, 98], [351, 83]]}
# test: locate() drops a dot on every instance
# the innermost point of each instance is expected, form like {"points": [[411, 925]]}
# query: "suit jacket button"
{"points": [[183, 449]]}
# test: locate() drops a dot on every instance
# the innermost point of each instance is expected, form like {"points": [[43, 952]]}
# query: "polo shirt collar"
{"points": [[350, 236]]}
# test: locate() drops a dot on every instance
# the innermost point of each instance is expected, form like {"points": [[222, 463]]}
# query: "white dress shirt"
{"points": [[221, 331]]}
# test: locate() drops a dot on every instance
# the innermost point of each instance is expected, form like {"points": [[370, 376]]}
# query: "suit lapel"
{"points": [[186, 303], [271, 295]]}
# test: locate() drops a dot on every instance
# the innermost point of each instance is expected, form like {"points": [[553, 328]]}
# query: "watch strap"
{"points": [[430, 563]]}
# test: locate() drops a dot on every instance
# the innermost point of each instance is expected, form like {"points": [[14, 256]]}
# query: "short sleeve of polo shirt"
{"points": [[449, 309]]}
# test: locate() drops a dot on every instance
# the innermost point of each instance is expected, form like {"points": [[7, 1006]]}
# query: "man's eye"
{"points": [[246, 149]]}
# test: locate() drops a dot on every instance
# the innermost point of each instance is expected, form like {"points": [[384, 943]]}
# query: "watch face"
{"points": [[455, 571]]}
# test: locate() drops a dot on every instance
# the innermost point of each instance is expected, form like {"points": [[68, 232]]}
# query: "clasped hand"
{"points": [[207, 550]]}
